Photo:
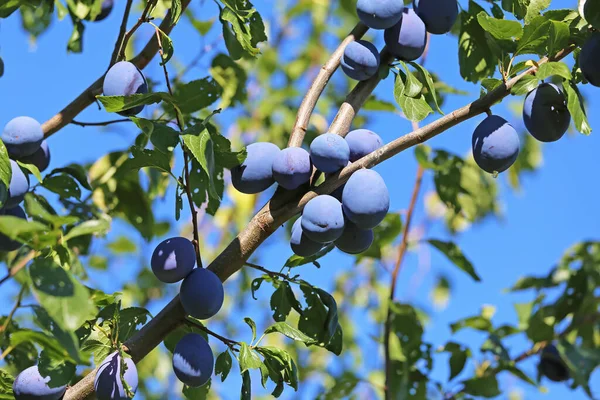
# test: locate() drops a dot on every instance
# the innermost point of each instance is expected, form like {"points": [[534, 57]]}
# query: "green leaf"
{"points": [[553, 68], [197, 393], [176, 10], [65, 299], [414, 109], [412, 86], [456, 256], [91, 227], [77, 172], [130, 320], [247, 358], [201, 147], [252, 326], [285, 329], [576, 108], [162, 136], [6, 382], [475, 56], [60, 371], [175, 336], [32, 170], [525, 85], [197, 95], [67, 338], [458, 358], [535, 36], [232, 79], [296, 260], [8, 7], [17, 228], [384, 235], [534, 9], [5, 169], [63, 185], [558, 37], [166, 51], [75, 43], [430, 93], [121, 103], [281, 301], [48, 343], [485, 386], [147, 158], [243, 29], [500, 28], [477, 322], [223, 365]]}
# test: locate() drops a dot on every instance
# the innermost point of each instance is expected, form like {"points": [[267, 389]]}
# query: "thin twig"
{"points": [[122, 30], [143, 18], [19, 266], [101, 123], [14, 309], [271, 273], [310, 99], [229, 342]]}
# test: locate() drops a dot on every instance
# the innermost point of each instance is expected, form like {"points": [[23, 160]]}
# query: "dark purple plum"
{"points": [[360, 60], [292, 167], [438, 15], [6, 243], [589, 59], [30, 385], [173, 259], [18, 188], [495, 144], [365, 199], [22, 136], [255, 174], [407, 39], [354, 240], [107, 6], [552, 366], [379, 14], [41, 158], [300, 243], [362, 142], [108, 384], [329, 152], [202, 294], [193, 360], [323, 219], [545, 113], [125, 79]]}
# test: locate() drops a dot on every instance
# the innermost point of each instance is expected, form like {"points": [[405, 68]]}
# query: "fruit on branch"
{"points": [[6, 243], [552, 366], [193, 360], [301, 244], [18, 188], [360, 60], [292, 167], [41, 157], [30, 385], [379, 14], [407, 39], [255, 174], [108, 383], [438, 15], [202, 294], [365, 199], [329, 152], [495, 144], [22, 136], [323, 219], [545, 113], [125, 79], [354, 240], [589, 59], [106, 8], [362, 142], [173, 259]]}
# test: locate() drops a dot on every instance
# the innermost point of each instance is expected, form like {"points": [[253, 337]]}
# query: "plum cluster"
{"points": [[405, 32], [348, 215], [24, 141], [201, 296]]}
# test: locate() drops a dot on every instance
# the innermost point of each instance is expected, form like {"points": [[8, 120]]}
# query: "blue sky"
{"points": [[556, 208]]}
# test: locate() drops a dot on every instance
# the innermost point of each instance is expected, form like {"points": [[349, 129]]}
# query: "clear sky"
{"points": [[557, 207]]}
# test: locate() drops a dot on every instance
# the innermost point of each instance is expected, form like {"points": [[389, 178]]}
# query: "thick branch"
{"points": [[88, 96], [310, 100]]}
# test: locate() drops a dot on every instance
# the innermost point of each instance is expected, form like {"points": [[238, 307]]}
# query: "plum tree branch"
{"points": [[143, 18], [88, 96], [19, 266], [122, 30], [312, 95], [273, 214]]}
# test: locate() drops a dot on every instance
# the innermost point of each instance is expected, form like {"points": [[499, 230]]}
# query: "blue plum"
{"points": [[329, 152], [7, 244], [354, 240], [545, 113], [552, 366], [202, 293], [323, 219], [106, 8], [173, 259], [22, 136], [292, 167], [125, 79], [18, 188], [407, 39], [365, 199], [495, 144], [193, 360], [379, 14], [360, 60], [41, 158], [108, 384], [301, 244], [30, 385], [362, 142], [255, 174], [589, 59], [438, 15]]}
